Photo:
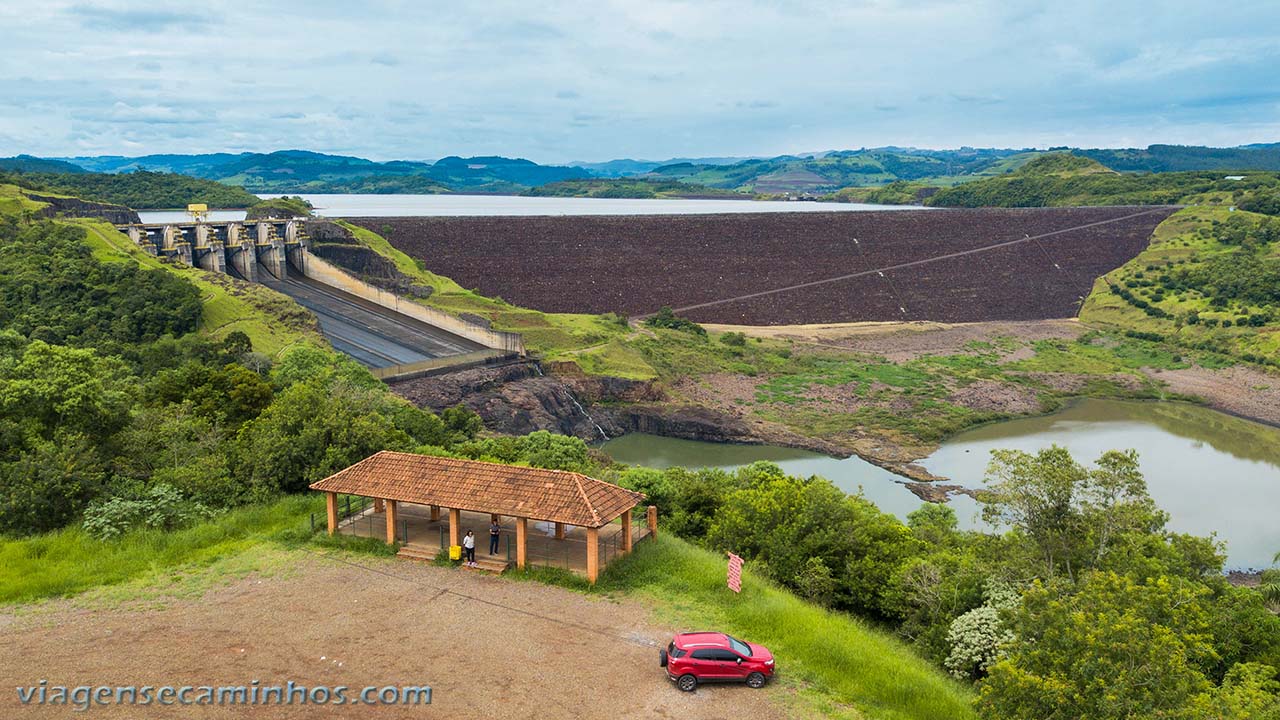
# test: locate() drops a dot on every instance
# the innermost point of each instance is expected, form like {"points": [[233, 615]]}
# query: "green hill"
{"points": [[31, 164], [139, 190], [1063, 179], [1180, 158]]}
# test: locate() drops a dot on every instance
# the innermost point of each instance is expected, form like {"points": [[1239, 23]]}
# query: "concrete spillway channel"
{"points": [[395, 337], [373, 335]]}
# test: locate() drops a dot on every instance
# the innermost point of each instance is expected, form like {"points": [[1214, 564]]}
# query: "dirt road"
{"points": [[488, 647]]}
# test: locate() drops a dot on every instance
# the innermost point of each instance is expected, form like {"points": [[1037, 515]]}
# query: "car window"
{"points": [[676, 652], [742, 648], [705, 654], [725, 655]]}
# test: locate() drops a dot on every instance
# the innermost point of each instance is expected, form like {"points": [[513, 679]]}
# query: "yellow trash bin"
{"points": [[455, 552]]}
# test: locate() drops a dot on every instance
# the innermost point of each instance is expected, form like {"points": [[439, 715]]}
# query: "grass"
{"points": [[14, 203], [839, 666], [1177, 241], [68, 561], [272, 321]]}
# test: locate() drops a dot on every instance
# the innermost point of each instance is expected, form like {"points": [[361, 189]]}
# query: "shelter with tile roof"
{"points": [[523, 493]]}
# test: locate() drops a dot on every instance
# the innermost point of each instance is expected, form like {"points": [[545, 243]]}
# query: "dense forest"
{"points": [[138, 190]]}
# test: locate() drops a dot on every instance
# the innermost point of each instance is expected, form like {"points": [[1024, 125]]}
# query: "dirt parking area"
{"points": [[488, 647]]}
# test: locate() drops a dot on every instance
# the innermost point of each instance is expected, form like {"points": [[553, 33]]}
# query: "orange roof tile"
{"points": [[548, 495]]}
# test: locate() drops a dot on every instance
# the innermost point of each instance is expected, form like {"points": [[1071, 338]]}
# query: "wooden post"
{"points": [[455, 526], [653, 521], [559, 531], [626, 532], [522, 541], [435, 513], [378, 505], [392, 516], [331, 505], [593, 554]]}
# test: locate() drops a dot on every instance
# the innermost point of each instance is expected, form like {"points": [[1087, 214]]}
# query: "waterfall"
{"points": [[537, 366], [586, 414]]}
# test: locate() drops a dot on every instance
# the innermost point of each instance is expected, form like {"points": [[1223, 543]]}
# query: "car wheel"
{"points": [[755, 680], [687, 683], [662, 658]]}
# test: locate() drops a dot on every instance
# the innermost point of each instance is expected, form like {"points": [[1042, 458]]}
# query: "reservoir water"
{"points": [[462, 205], [1212, 473]]}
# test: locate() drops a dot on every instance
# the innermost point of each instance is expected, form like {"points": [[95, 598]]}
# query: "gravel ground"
{"points": [[488, 647], [1241, 390]]}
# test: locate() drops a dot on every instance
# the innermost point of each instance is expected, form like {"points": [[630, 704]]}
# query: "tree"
{"points": [[977, 638], [1270, 586], [49, 484], [1115, 648], [54, 388], [1072, 516], [781, 522]]}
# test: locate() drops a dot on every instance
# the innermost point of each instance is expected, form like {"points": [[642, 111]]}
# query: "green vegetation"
{"points": [[1082, 566], [271, 321], [30, 164], [842, 667], [281, 207], [1206, 282], [1182, 158], [668, 320], [139, 189], [303, 171], [641, 188], [115, 410], [70, 561], [1060, 179]]}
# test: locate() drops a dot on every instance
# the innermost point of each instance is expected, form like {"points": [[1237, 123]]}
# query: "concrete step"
{"points": [[496, 564], [423, 553]]}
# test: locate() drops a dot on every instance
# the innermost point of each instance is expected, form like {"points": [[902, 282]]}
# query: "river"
{"points": [[462, 205], [1211, 472]]}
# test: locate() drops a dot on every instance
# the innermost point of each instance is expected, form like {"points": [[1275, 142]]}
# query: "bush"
{"points": [[734, 339], [161, 507], [666, 318]]}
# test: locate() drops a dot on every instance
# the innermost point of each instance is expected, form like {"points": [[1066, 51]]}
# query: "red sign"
{"points": [[735, 573]]}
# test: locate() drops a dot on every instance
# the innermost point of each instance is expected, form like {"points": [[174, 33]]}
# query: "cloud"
{"points": [[96, 17], [614, 78]]}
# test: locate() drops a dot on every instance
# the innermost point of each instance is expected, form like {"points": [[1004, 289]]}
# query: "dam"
{"points": [[395, 337]]}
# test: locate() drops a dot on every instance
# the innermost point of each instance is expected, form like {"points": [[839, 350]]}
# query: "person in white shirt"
{"points": [[469, 546]]}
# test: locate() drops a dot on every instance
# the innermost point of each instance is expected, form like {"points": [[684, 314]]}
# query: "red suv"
{"points": [[700, 657]]}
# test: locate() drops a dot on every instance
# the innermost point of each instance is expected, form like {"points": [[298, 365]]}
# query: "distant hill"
{"points": [[627, 167], [31, 164], [1062, 179], [819, 173], [306, 171], [630, 187], [1178, 158], [830, 171]]}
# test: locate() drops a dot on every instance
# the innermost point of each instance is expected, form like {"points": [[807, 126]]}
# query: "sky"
{"points": [[652, 79]]}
